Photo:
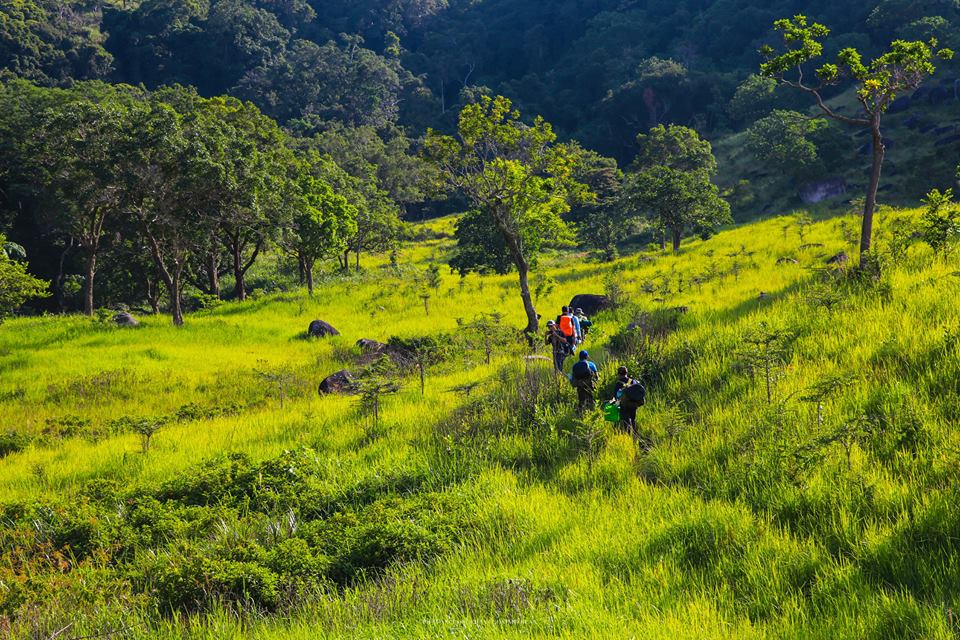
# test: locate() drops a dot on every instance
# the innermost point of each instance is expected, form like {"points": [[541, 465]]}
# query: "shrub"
{"points": [[188, 581], [12, 442]]}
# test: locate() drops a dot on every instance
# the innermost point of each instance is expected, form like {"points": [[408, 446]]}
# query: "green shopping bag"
{"points": [[611, 412]]}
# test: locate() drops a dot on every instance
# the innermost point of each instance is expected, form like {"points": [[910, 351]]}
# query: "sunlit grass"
{"points": [[737, 519]]}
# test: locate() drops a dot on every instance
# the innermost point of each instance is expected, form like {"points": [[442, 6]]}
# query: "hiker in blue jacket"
{"points": [[583, 377]]}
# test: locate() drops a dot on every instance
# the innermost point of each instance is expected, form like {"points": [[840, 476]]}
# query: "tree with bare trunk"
{"points": [[898, 71], [516, 175]]}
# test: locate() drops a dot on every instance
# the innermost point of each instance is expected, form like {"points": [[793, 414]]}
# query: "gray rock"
{"points": [[787, 260], [840, 258], [339, 382], [814, 192], [370, 347], [591, 304], [321, 329], [124, 319]]}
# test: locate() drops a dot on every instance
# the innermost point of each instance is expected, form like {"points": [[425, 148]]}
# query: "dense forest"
{"points": [[350, 89]]}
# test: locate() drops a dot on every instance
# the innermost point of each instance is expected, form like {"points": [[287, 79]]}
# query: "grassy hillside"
{"points": [[922, 136], [822, 507]]}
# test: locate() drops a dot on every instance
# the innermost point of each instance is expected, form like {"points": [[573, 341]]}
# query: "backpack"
{"points": [[566, 325], [636, 394], [581, 371]]}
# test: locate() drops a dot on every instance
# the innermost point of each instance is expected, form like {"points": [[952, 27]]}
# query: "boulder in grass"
{"points": [[370, 347], [592, 304], [124, 319], [339, 382], [321, 329], [839, 259]]}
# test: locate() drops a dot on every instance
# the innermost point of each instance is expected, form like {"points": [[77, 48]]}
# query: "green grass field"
{"points": [[264, 510]]}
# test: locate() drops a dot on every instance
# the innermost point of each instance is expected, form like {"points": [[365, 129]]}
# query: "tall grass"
{"points": [[488, 507]]}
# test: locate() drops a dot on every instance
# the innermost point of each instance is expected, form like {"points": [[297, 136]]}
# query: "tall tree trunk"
{"points": [[677, 238], [172, 277], [358, 259], [308, 269], [61, 279], [91, 273], [213, 266], [238, 275], [663, 240], [533, 322], [346, 261], [153, 293], [866, 233], [176, 307], [523, 269]]}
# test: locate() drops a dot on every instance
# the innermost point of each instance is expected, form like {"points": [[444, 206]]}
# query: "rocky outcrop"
{"points": [[370, 347], [321, 329], [124, 319], [814, 192], [591, 303], [339, 382]]}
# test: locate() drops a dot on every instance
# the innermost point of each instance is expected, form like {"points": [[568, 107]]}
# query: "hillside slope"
{"points": [[794, 473]]}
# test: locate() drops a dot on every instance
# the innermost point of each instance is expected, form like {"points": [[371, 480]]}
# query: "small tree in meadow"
{"points": [[146, 428], [940, 223], [679, 202], [765, 351], [896, 72], [486, 333], [671, 184], [376, 381]]}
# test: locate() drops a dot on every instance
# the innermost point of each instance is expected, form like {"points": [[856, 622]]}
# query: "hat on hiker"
{"points": [[584, 355]]}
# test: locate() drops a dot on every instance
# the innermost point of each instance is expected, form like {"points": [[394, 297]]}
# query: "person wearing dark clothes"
{"points": [[558, 342], [585, 323], [583, 377], [630, 395]]}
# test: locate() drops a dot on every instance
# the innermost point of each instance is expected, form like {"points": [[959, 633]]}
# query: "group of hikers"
{"points": [[565, 335]]}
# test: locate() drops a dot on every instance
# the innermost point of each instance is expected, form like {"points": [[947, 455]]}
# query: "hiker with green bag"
{"points": [[629, 395]]}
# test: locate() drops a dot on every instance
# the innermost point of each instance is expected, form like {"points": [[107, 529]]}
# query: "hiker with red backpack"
{"points": [[570, 327]]}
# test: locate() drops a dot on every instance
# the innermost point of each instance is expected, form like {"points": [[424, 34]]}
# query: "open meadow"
{"points": [[793, 474]]}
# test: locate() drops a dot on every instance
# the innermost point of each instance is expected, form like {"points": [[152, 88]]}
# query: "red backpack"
{"points": [[566, 326]]}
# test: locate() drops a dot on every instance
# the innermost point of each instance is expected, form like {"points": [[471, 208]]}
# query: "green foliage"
{"points": [[901, 69], [790, 143], [516, 175], [755, 98], [480, 247], [940, 223], [16, 284], [675, 147], [51, 43], [678, 202]]}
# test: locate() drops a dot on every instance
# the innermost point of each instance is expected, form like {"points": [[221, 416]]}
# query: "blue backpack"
{"points": [[581, 370]]}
